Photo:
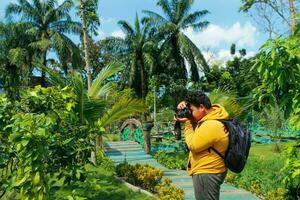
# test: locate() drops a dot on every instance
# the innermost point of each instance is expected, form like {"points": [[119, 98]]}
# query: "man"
{"points": [[202, 132]]}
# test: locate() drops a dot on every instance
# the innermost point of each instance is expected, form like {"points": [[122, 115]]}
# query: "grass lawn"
{"points": [[99, 185], [262, 174]]}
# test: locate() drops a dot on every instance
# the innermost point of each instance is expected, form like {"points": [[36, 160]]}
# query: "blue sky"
{"points": [[227, 25]]}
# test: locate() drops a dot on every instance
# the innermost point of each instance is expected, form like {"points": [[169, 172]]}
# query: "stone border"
{"points": [[135, 188]]}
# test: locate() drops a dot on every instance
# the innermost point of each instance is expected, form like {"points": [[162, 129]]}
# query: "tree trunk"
{"points": [[292, 16], [88, 71], [43, 78], [86, 44]]}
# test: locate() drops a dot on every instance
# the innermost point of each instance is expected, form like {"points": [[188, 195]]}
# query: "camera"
{"points": [[184, 113]]}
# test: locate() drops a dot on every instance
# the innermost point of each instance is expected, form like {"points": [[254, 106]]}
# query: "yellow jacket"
{"points": [[211, 133]]}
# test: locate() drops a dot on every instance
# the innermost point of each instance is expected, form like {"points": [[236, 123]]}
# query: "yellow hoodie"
{"points": [[211, 133]]}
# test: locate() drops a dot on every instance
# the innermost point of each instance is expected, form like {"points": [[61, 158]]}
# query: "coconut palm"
{"points": [[136, 45], [178, 18], [15, 57], [50, 23]]}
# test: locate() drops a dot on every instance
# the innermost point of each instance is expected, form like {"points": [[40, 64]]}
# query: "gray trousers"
{"points": [[207, 186]]}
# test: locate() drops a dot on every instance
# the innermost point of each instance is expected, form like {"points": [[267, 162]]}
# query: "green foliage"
{"points": [[278, 68], [31, 135], [99, 184], [7, 153], [48, 23], [172, 160], [144, 176], [15, 57], [50, 142], [104, 162], [233, 107], [291, 171], [177, 18], [166, 191]]}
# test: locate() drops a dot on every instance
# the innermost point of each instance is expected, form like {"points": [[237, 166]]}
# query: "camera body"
{"points": [[184, 113]]}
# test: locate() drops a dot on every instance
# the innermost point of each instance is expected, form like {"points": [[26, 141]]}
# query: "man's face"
{"points": [[197, 112]]}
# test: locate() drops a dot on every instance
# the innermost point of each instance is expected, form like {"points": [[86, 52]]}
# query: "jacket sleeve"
{"points": [[201, 138]]}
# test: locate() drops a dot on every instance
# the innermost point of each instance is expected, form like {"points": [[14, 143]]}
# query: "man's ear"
{"points": [[201, 107]]}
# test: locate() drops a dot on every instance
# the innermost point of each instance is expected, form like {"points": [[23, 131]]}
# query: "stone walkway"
{"points": [[133, 153]]}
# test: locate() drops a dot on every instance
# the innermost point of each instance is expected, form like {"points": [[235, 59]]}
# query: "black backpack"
{"points": [[239, 145]]}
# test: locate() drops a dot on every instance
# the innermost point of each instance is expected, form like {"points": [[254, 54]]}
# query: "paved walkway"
{"points": [[134, 153]]}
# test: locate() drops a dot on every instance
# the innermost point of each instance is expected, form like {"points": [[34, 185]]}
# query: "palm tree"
{"points": [[93, 105], [136, 44], [15, 57], [49, 23], [178, 19]]}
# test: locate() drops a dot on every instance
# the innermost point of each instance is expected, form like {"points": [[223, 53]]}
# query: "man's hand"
{"points": [[181, 106], [181, 119]]}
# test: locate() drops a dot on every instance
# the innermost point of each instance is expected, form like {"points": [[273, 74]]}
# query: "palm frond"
{"points": [[66, 26], [54, 78], [64, 7], [105, 90], [192, 19], [156, 18], [41, 44], [137, 24], [182, 9], [166, 7], [126, 27], [121, 110], [105, 73], [93, 108], [186, 43], [200, 26], [230, 103]]}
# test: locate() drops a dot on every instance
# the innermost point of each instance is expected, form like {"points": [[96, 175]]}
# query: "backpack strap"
{"points": [[216, 151]]}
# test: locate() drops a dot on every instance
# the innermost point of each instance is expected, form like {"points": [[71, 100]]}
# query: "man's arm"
{"points": [[201, 138]]}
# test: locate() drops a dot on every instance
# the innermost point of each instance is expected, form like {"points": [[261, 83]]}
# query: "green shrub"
{"points": [[99, 184], [105, 162], [172, 160], [49, 140], [166, 191], [291, 172], [144, 176]]}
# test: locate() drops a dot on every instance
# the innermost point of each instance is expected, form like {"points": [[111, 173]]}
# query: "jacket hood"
{"points": [[218, 112]]}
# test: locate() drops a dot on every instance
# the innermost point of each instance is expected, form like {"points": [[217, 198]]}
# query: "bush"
{"points": [[105, 162], [166, 191], [49, 140], [144, 176], [172, 160]]}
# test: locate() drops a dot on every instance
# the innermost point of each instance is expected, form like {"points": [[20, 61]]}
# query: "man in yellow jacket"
{"points": [[203, 132]]}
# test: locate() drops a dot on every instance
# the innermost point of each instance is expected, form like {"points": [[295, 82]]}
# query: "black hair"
{"points": [[197, 98]]}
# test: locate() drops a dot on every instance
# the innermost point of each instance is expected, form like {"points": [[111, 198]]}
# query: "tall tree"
{"points": [[136, 45], [16, 57], [90, 22], [178, 18], [50, 23]]}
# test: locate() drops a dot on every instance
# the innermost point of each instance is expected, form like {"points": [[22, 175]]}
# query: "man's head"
{"points": [[199, 104]]}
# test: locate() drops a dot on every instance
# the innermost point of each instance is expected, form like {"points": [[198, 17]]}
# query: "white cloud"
{"points": [[107, 20], [222, 56], [217, 36], [118, 33], [101, 35]]}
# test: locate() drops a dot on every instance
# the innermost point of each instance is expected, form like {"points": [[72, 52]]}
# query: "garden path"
{"points": [[134, 153]]}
